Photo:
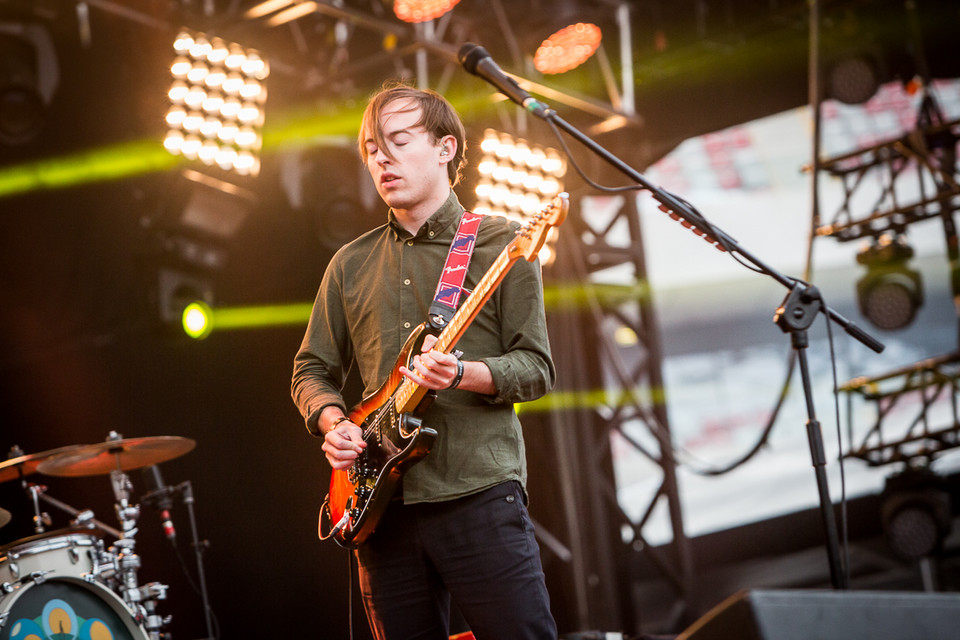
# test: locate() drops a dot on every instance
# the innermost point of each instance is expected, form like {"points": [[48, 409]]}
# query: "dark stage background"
{"points": [[81, 358], [82, 352]]}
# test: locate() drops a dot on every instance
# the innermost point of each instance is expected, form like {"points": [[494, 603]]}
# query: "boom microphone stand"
{"points": [[795, 315], [161, 498], [186, 489]]}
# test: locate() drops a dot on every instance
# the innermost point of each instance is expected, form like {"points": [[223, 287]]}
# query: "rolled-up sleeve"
{"points": [[525, 371]]}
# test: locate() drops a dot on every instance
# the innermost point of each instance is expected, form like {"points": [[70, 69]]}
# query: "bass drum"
{"points": [[67, 609]]}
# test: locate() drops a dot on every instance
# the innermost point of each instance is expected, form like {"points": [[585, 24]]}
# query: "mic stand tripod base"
{"points": [[795, 315]]}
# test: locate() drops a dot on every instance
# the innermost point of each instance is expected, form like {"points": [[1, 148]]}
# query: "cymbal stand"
{"points": [[127, 515], [141, 599], [41, 519]]}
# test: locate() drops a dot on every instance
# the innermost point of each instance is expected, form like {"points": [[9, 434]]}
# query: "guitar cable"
{"points": [[350, 595]]}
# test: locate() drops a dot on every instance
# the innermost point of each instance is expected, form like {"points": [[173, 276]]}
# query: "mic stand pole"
{"points": [[795, 315], [198, 547], [801, 304]]}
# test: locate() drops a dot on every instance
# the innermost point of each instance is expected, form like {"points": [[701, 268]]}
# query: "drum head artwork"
{"points": [[65, 610]]}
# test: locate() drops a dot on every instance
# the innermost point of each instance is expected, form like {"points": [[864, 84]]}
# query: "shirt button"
{"points": [[406, 325], [407, 281], [409, 243], [510, 499], [431, 234]]}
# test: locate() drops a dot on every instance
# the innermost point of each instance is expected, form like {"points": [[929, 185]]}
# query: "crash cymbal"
{"points": [[14, 468], [111, 455], [4, 516]]}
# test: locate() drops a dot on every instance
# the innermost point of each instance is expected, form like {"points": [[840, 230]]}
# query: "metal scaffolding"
{"points": [[912, 391], [920, 181], [609, 363]]}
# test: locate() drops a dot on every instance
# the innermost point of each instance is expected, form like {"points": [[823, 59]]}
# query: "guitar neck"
{"points": [[409, 393]]}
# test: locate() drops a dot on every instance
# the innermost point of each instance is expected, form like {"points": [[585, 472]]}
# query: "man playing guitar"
{"points": [[458, 526]]}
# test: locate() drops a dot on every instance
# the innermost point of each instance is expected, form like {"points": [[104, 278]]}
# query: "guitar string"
{"points": [[480, 292], [482, 287]]}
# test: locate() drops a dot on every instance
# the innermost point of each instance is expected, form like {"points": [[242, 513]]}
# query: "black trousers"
{"points": [[480, 550]]}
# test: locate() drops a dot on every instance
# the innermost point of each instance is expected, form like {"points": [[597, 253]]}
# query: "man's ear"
{"points": [[448, 147]]}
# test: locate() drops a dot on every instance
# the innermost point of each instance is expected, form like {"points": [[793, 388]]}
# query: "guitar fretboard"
{"points": [[409, 393]]}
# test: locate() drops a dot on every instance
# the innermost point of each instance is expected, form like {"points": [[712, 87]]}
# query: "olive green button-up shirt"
{"points": [[375, 291]]}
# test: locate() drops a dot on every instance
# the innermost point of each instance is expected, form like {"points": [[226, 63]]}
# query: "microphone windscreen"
{"points": [[470, 56]]}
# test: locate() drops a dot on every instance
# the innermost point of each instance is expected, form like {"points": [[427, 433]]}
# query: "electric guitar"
{"points": [[389, 417]]}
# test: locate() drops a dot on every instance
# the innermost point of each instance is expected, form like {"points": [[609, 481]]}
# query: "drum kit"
{"points": [[68, 583]]}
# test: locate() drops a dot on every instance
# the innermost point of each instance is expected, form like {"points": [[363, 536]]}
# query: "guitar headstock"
{"points": [[532, 235]]}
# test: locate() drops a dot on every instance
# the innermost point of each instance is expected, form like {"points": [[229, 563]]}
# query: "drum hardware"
{"points": [[115, 456], [82, 519], [149, 594], [106, 566], [127, 514], [77, 556], [41, 519], [36, 577]]}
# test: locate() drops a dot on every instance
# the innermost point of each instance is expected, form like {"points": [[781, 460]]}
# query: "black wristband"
{"points": [[458, 377]]}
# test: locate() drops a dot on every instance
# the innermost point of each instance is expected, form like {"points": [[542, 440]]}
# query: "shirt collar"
{"points": [[447, 215]]}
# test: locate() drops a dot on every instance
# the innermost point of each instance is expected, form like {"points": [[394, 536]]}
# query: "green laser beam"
{"points": [[257, 317], [286, 131]]}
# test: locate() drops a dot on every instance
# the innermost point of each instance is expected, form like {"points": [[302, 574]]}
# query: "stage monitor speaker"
{"points": [[830, 615]]}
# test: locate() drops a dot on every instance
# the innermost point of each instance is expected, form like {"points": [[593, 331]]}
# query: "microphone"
{"points": [[478, 62], [158, 497]]}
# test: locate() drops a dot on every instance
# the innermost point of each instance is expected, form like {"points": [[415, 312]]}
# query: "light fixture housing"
{"points": [[422, 10], [891, 292], [567, 48], [854, 78], [29, 76], [916, 513]]}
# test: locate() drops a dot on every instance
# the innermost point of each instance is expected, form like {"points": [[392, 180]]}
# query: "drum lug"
{"points": [[37, 577], [14, 569]]}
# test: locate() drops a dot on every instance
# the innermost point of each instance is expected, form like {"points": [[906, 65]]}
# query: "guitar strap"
{"points": [[447, 297]]}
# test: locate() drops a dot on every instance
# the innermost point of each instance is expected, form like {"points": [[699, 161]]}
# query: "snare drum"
{"points": [[55, 554], [66, 608]]}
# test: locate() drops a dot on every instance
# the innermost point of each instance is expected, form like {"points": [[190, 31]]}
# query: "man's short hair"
{"points": [[437, 116]]}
